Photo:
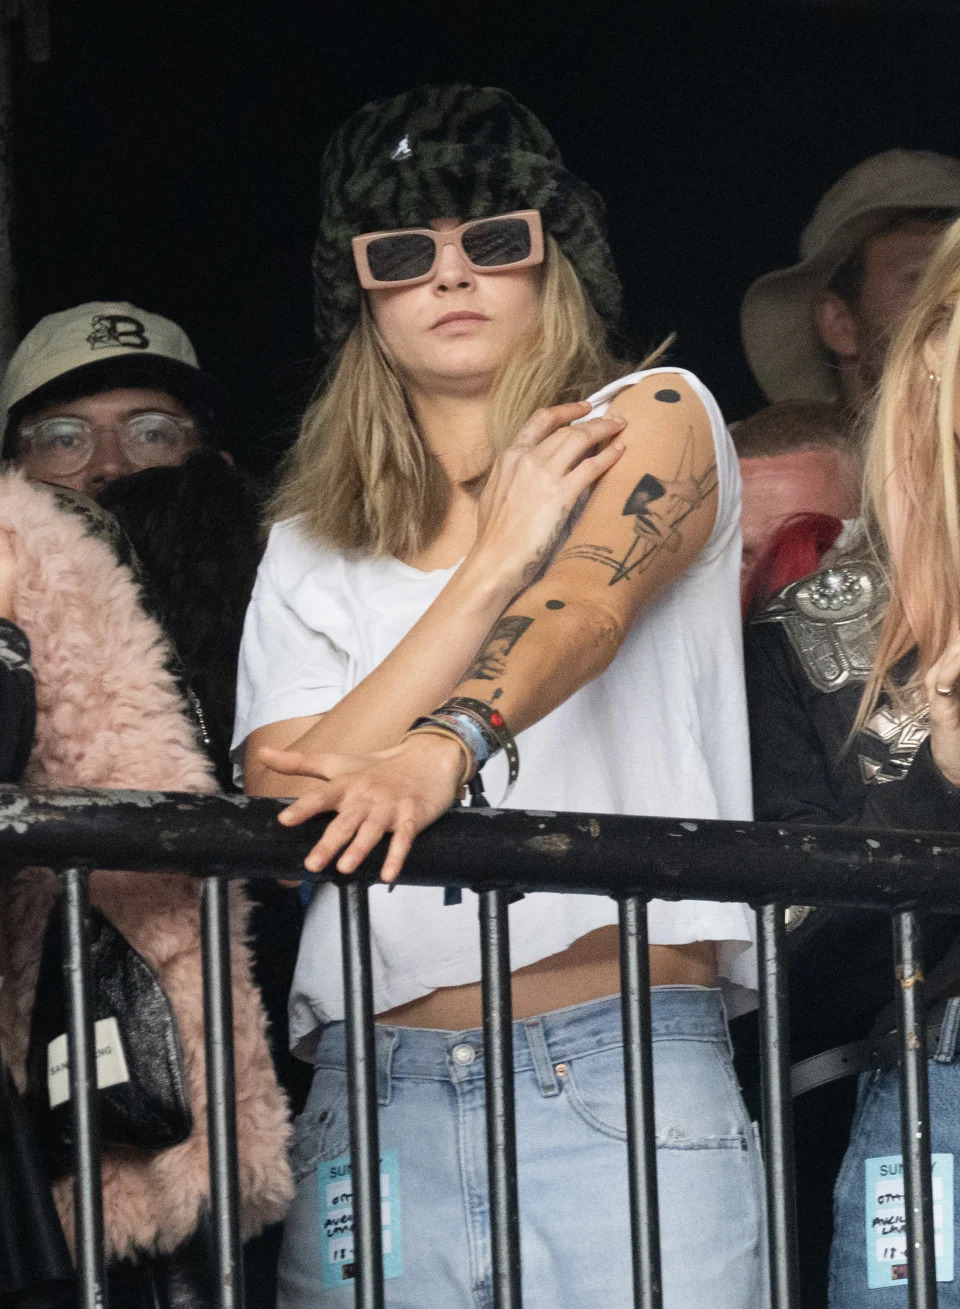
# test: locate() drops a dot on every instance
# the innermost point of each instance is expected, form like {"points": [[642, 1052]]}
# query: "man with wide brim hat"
{"points": [[819, 330], [104, 389]]}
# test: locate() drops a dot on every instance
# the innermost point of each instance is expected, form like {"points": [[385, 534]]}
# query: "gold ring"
{"points": [[944, 690]]}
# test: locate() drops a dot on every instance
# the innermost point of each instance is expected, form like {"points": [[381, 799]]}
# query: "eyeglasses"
{"points": [[409, 256], [61, 446]]}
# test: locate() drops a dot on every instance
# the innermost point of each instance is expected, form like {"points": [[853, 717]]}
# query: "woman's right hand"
{"points": [[534, 485], [944, 706], [8, 576]]}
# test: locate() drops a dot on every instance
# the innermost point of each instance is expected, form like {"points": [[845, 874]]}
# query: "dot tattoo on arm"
{"points": [[555, 604], [667, 396]]}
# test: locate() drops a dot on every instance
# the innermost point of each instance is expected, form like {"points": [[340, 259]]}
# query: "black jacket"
{"points": [[807, 656]]}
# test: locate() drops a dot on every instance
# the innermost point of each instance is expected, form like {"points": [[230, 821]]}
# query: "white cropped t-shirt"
{"points": [[663, 732]]}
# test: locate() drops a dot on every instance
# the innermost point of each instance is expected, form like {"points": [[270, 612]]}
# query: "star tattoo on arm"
{"points": [[657, 508]]}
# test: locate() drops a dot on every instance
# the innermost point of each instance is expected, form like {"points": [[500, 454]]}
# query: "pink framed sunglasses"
{"points": [[409, 256]]}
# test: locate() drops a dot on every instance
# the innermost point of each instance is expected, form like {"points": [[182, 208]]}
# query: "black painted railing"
{"points": [[496, 853]]}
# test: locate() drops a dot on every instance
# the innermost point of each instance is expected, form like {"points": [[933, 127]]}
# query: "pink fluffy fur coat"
{"points": [[109, 715]]}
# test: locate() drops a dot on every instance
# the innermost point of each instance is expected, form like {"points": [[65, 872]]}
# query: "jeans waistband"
{"points": [[677, 1012]]}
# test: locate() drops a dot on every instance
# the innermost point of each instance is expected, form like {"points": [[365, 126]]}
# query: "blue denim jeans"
{"points": [[572, 1165], [876, 1135]]}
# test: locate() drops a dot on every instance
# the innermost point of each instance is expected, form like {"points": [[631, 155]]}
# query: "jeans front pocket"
{"points": [[698, 1104], [322, 1131], [593, 1084]]}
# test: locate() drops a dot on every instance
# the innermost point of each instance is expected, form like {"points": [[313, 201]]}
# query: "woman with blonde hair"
{"points": [[853, 678], [470, 566]]}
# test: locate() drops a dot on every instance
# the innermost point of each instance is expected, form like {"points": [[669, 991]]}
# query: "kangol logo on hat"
{"points": [[402, 149], [117, 329]]}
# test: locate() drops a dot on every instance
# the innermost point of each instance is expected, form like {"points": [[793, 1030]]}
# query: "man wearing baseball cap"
{"points": [[102, 390], [820, 329]]}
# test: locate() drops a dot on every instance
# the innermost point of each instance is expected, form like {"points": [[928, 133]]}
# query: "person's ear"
{"points": [[836, 326], [227, 457], [933, 355]]}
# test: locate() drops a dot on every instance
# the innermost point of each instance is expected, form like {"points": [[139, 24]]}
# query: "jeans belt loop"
{"points": [[540, 1054], [949, 1030], [385, 1044]]}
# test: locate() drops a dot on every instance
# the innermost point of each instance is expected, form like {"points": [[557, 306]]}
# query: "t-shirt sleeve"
{"points": [[289, 667], [727, 521]]}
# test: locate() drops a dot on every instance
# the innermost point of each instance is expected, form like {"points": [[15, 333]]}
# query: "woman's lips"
{"points": [[460, 316]]}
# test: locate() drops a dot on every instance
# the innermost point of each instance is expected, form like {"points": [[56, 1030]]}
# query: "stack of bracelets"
{"points": [[479, 731]]}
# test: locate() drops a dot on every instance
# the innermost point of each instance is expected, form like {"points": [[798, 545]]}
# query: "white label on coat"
{"points": [[111, 1061]]}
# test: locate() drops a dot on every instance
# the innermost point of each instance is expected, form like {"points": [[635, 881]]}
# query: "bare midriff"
{"points": [[588, 970]]}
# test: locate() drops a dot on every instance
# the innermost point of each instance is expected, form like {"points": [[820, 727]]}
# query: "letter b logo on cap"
{"points": [[117, 329]]}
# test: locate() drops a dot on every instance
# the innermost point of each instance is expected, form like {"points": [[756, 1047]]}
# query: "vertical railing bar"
{"points": [[777, 1110], [501, 1120], [915, 1111], [221, 1092], [84, 1113], [362, 1091], [638, 1086]]}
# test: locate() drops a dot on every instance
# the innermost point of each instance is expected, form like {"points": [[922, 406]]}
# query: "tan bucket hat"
{"points": [[779, 335]]}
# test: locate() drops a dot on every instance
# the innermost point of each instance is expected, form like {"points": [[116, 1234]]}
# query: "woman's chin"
{"points": [[471, 368]]}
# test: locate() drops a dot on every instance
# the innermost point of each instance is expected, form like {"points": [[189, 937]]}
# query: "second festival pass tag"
{"points": [[887, 1219]]}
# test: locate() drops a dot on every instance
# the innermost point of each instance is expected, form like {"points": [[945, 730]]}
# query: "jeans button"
{"points": [[464, 1054]]}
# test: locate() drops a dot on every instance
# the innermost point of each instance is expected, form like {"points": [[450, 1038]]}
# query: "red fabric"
{"points": [[794, 551]]}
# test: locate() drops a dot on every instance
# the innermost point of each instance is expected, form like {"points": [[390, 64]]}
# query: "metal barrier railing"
{"points": [[495, 853]]}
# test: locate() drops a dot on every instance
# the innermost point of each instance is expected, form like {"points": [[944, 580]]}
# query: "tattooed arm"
{"points": [[643, 526], [645, 523], [529, 495]]}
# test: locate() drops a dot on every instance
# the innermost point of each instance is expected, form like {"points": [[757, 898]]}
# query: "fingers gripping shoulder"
{"points": [[662, 403]]}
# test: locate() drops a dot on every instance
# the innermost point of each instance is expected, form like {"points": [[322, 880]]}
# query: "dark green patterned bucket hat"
{"points": [[448, 152]]}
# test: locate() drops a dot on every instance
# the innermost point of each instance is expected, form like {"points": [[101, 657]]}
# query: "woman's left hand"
{"points": [[401, 790]]}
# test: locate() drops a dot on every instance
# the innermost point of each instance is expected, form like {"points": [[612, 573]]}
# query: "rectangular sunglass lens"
{"points": [[497, 242], [400, 256]]}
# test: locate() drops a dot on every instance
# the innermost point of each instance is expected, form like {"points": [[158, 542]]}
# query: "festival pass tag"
{"points": [[336, 1218], [887, 1220]]}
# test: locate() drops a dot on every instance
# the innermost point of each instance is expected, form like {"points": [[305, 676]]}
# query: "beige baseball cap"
{"points": [[86, 337], [780, 337]]}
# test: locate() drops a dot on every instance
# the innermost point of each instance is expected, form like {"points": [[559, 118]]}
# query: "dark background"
{"points": [[168, 153]]}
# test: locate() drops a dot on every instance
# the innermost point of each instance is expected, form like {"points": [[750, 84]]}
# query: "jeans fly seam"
{"points": [[475, 1237]]}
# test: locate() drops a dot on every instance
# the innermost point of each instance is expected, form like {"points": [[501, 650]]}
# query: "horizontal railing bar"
{"points": [[487, 849]]}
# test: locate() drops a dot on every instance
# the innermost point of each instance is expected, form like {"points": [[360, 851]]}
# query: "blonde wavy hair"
{"points": [[912, 498], [360, 476]]}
